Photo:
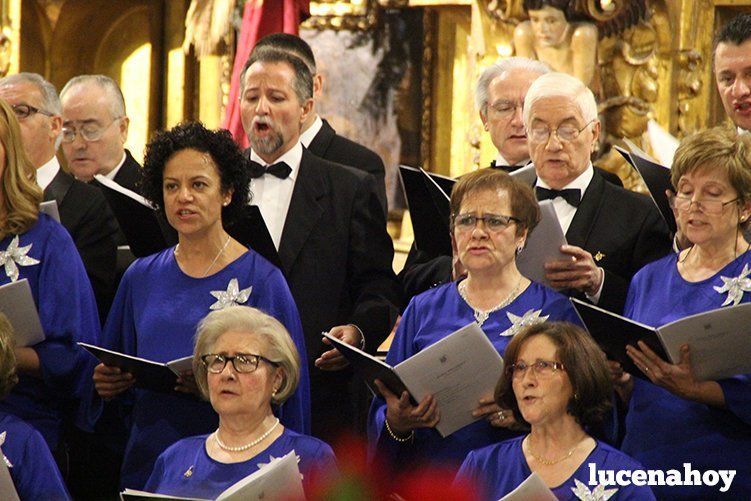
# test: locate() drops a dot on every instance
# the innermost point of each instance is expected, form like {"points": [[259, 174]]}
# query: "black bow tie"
{"points": [[506, 168], [279, 169], [570, 195]]}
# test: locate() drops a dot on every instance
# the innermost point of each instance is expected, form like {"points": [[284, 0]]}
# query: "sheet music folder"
{"points": [[656, 177], [614, 332], [430, 229], [144, 230], [150, 375]]}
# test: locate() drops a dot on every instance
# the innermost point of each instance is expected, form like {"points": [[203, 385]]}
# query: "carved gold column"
{"points": [[10, 36]]}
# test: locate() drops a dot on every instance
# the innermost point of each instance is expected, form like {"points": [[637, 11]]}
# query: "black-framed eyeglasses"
{"points": [[541, 368], [24, 111], [493, 222], [244, 363], [564, 133], [90, 132], [715, 207]]}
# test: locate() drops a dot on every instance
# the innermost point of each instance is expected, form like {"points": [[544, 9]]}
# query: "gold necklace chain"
{"points": [[482, 315], [549, 462]]}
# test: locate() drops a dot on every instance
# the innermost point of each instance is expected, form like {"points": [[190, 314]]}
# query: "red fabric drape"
{"points": [[260, 18]]}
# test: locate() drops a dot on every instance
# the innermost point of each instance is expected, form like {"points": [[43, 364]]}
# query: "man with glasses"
{"points": [[83, 210], [95, 128], [611, 232]]}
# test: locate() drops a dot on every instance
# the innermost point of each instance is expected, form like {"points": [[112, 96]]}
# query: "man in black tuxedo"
{"points": [[83, 209], [317, 134], [612, 232], [95, 128], [327, 224]]}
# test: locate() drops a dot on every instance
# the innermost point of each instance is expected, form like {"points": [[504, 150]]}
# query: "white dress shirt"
{"points": [[499, 160], [307, 136], [47, 172], [111, 174], [273, 195], [566, 212]]}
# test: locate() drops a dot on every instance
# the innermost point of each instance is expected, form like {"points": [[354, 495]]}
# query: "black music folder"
{"points": [[429, 224]]}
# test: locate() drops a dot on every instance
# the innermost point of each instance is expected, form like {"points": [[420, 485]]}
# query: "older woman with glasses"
{"points": [[199, 179], [556, 383], [244, 363], [492, 214], [672, 418]]}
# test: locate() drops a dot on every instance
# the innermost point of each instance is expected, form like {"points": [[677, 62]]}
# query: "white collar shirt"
{"points": [[273, 195], [47, 172], [307, 136]]}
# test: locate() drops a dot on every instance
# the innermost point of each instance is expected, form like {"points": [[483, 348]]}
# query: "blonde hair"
{"points": [[21, 195], [8, 376], [279, 345]]}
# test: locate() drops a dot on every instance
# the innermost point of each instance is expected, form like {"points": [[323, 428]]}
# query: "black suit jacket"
{"points": [[337, 255], [129, 175], [329, 145], [87, 217], [621, 228]]}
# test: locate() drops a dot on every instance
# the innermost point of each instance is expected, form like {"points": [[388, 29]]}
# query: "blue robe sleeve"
{"points": [[157, 474], [119, 334], [468, 476], [34, 472], [320, 467], [380, 443], [68, 312], [737, 391], [276, 300]]}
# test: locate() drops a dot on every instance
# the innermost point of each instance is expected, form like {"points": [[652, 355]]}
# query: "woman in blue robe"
{"points": [[494, 294], [672, 418], [36, 248], [23, 449], [557, 383], [199, 179], [241, 390]]}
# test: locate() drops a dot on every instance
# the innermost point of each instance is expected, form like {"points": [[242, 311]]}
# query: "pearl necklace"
{"points": [[482, 315], [549, 462], [213, 262], [241, 448]]}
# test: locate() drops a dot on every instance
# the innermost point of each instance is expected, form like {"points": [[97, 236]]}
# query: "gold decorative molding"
{"points": [[351, 15]]}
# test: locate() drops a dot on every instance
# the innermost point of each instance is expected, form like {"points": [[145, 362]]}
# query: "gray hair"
{"points": [[557, 84], [50, 100], [116, 100], [281, 348], [499, 67], [303, 81]]}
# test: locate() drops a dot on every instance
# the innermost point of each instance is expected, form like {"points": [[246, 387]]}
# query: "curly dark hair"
{"points": [[233, 166], [583, 362]]}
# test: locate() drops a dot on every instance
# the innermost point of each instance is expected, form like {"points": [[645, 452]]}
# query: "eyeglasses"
{"points": [[24, 111], [90, 132], [493, 222], [505, 109], [244, 363], [541, 368], [714, 207], [564, 133]]}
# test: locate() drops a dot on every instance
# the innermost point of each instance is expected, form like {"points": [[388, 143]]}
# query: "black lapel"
{"points": [[58, 188], [321, 142], [305, 208], [581, 225]]}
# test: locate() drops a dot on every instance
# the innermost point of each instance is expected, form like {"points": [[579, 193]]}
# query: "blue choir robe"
{"points": [[32, 468], [186, 469], [430, 317], [498, 469], [68, 313], [154, 316], [663, 430]]}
